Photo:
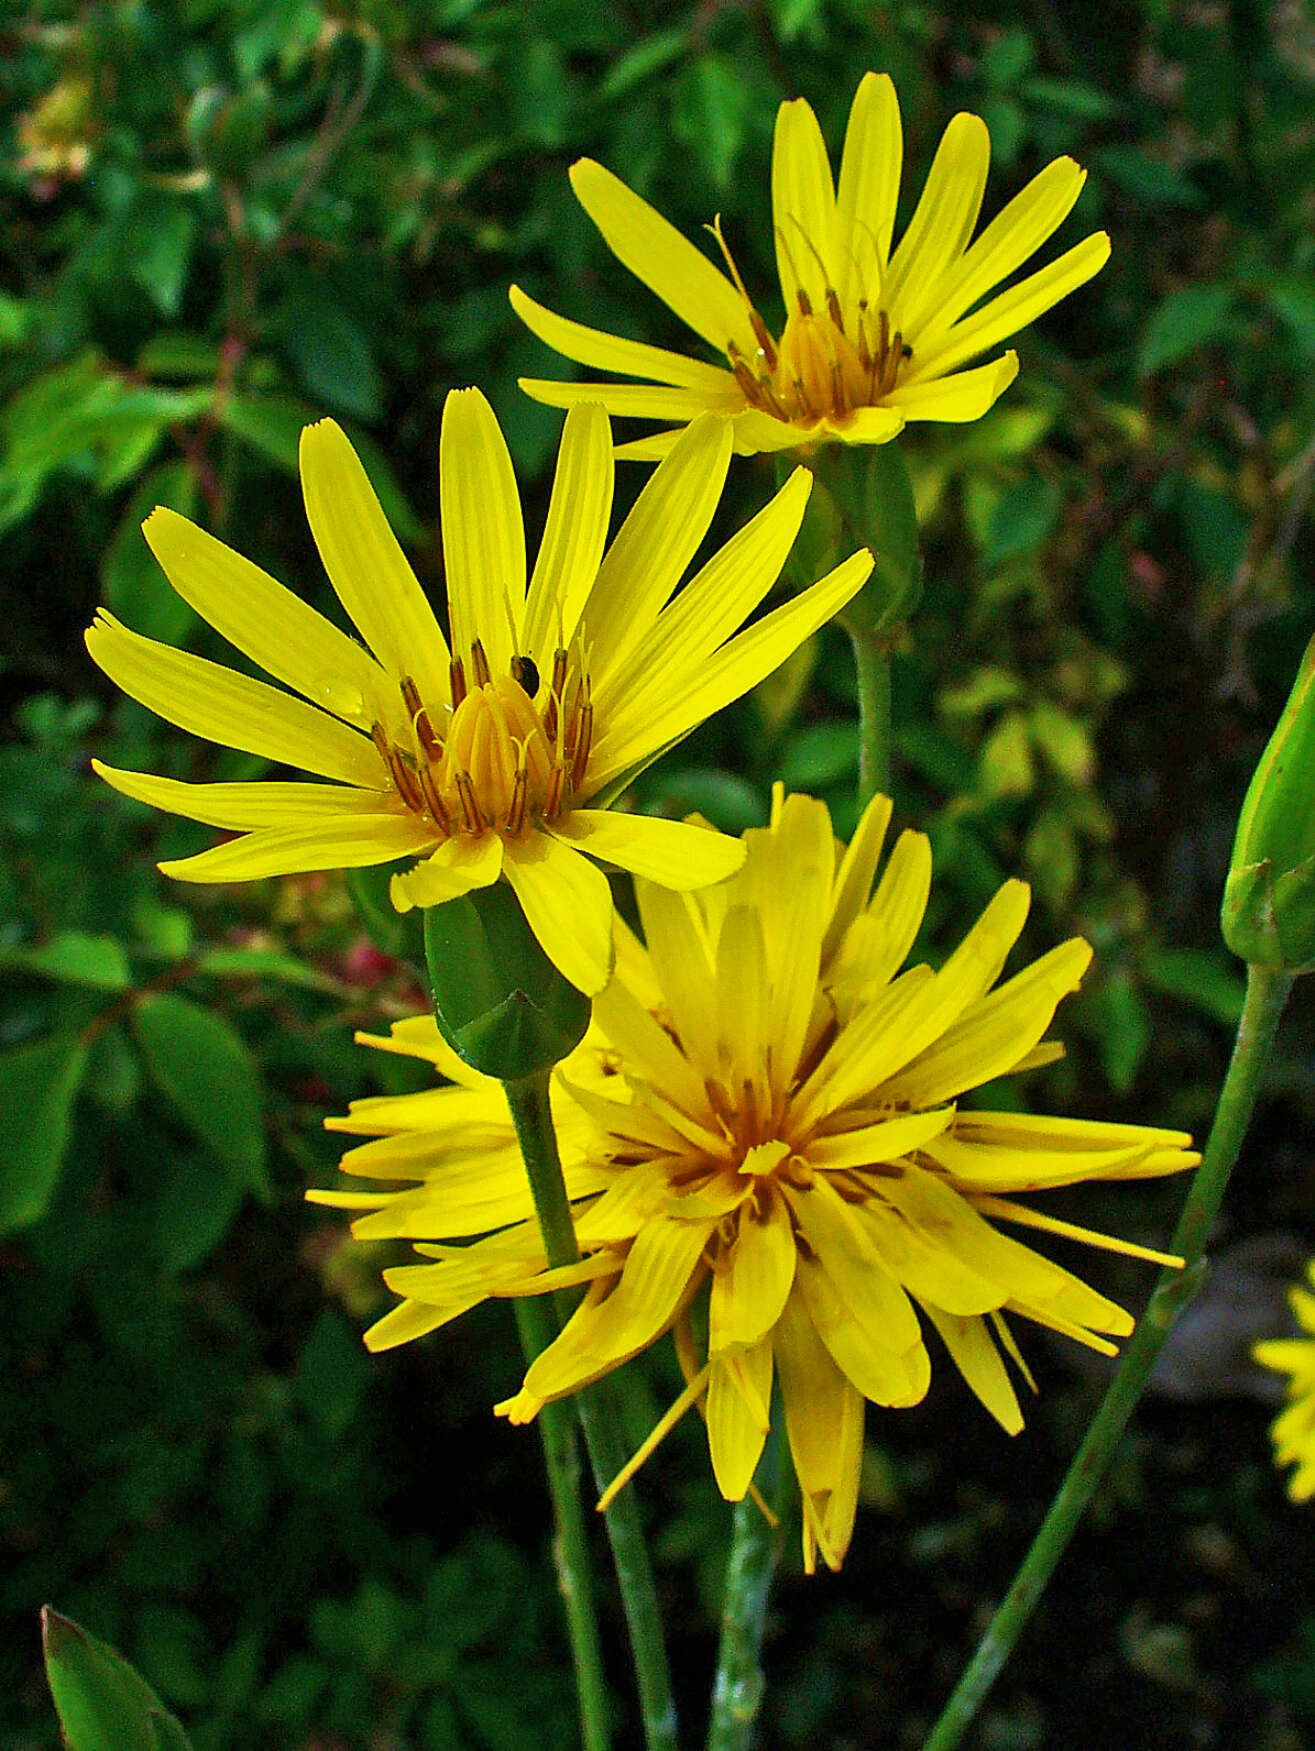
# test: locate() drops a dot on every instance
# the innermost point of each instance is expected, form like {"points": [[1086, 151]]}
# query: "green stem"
{"points": [[872, 663], [1265, 996], [575, 1579], [755, 1551], [532, 1117]]}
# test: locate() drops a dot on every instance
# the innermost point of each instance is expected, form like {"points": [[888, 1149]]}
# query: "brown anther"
{"points": [[457, 679], [805, 302], [839, 404], [833, 308], [479, 665], [584, 736], [406, 778], [749, 1108], [890, 366], [420, 719], [763, 335], [433, 801], [552, 806], [379, 736], [471, 812], [520, 791], [556, 688], [717, 1097], [801, 395]]}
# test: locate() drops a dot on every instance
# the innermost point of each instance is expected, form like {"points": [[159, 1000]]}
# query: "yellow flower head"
{"points": [[482, 757], [1293, 1430], [873, 336], [762, 1142]]}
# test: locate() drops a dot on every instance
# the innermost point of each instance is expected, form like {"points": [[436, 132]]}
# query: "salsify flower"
{"points": [[874, 335], [494, 755], [762, 1142], [1293, 1430]]}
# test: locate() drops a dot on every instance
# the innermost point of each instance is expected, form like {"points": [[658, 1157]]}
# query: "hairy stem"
{"points": [[1265, 996], [755, 1551]]}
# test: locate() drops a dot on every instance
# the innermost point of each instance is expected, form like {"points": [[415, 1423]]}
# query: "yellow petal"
{"points": [[609, 352], [366, 567], [458, 865], [1012, 237], [573, 537], [341, 842], [273, 627], [654, 401], [793, 871], [750, 1290], [630, 1027], [864, 1292], [803, 208], [961, 397], [643, 723], [1013, 309], [656, 253], [869, 188], [483, 532], [716, 602], [995, 1033], [262, 803], [655, 543], [858, 867], [650, 449], [231, 709], [974, 1354], [871, 425], [567, 904], [673, 853], [679, 954], [738, 1391], [855, 1341], [887, 1140], [824, 1421], [407, 1321], [941, 225], [981, 1167]]}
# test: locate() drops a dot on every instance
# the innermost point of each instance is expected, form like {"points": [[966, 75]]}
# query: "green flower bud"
{"points": [[500, 1003], [1269, 898]]}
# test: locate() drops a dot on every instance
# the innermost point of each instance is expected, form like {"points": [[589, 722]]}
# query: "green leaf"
{"points": [[819, 755], [710, 114], [1122, 1026], [1006, 764], [164, 234], [102, 1703], [75, 959], [264, 963], [1199, 977], [1063, 741], [210, 1076], [332, 355], [1022, 520], [640, 63], [38, 1085], [269, 424], [191, 1210], [1187, 319], [135, 587]]}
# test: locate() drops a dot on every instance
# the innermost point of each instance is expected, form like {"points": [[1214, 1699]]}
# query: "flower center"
{"points": [[507, 753], [818, 368]]}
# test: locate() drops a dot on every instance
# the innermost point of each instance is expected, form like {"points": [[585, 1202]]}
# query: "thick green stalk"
{"points": [[532, 1117], [575, 1580], [755, 1551], [872, 664], [1265, 996]]}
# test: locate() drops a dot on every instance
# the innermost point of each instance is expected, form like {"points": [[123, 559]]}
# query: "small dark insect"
{"points": [[523, 670]]}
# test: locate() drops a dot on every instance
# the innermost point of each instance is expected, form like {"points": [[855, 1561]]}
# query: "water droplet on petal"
{"points": [[343, 698]]}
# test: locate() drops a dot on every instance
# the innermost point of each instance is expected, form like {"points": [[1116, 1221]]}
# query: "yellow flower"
{"points": [[761, 1139], [1293, 1430], [494, 757], [872, 337]]}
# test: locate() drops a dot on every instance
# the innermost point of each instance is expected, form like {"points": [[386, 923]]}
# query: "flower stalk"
{"points": [[531, 1114], [756, 1545], [1266, 994]]}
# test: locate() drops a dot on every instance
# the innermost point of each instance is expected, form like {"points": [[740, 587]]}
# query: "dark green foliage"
{"points": [[223, 218]]}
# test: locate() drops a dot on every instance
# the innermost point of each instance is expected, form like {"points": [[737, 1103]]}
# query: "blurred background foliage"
{"points": [[221, 219]]}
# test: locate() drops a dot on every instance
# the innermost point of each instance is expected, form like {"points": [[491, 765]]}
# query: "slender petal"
{"points": [[568, 905], [869, 186], [803, 208], [677, 854], [483, 535], [609, 352], [458, 865], [341, 842], [574, 535], [243, 806]]}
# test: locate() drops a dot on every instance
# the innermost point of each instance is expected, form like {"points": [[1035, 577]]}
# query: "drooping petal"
{"points": [[240, 807], [276, 629], [668, 264], [803, 208], [340, 842], [870, 425], [676, 854], [974, 1354], [483, 532], [458, 865], [366, 567], [231, 709], [824, 1421], [567, 904], [573, 537], [750, 1292], [739, 1392], [654, 401]]}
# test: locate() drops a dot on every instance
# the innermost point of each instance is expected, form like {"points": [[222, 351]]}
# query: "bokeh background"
{"points": [[220, 219]]}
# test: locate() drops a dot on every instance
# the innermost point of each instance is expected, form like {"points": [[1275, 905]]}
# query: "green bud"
{"points": [[500, 1003], [1269, 898], [102, 1703]]}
